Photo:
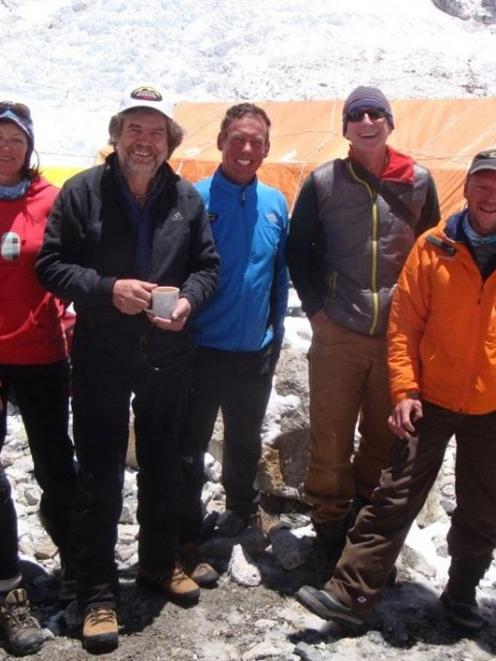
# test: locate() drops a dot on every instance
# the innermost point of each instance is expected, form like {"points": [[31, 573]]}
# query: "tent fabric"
{"points": [[441, 134], [57, 174]]}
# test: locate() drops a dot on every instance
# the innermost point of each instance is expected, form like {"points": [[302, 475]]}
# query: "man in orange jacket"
{"points": [[442, 364]]}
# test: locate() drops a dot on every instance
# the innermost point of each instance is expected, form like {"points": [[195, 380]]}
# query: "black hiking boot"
{"points": [[331, 538], [459, 596], [324, 604]]}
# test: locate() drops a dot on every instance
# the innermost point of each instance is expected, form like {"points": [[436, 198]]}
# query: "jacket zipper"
{"points": [[375, 251], [333, 282], [469, 382]]}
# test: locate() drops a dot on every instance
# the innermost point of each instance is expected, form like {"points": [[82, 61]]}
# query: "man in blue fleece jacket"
{"points": [[239, 333]]}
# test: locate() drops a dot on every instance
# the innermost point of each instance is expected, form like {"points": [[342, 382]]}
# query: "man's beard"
{"points": [[135, 166]]}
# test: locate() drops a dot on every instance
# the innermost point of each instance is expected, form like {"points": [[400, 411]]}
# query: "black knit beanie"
{"points": [[366, 97]]}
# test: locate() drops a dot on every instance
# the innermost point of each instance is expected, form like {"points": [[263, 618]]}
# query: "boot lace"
{"points": [[18, 616], [100, 616]]}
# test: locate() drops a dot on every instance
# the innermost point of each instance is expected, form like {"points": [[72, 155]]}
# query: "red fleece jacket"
{"points": [[31, 330]]}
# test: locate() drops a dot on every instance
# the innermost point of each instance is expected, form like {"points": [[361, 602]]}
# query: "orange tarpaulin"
{"points": [[443, 135]]}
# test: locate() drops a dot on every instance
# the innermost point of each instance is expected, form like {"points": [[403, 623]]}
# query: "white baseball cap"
{"points": [[146, 96]]}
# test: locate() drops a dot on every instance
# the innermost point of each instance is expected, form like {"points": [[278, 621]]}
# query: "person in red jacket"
{"points": [[33, 366], [442, 371]]}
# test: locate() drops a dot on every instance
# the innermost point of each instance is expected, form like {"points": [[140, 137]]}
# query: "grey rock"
{"points": [[213, 468], [19, 475], [130, 487], [127, 513], [128, 534], [26, 545], [45, 549], [448, 490], [289, 551], [441, 546], [448, 506], [265, 624], [432, 510], [480, 11], [32, 495], [125, 553], [268, 649], [413, 559], [308, 653], [213, 496], [229, 524], [252, 540], [295, 520], [284, 463], [241, 568]]}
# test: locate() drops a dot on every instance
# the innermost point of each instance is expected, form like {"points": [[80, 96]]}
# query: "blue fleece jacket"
{"points": [[249, 224]]}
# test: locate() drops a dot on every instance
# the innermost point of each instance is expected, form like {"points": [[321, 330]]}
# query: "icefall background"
{"points": [[71, 59]]}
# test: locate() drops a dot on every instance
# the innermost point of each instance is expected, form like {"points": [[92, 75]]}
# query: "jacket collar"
{"points": [[454, 226], [231, 188], [399, 167], [163, 179]]}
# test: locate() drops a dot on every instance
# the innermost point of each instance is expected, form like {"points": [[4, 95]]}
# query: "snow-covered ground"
{"points": [[71, 59]]}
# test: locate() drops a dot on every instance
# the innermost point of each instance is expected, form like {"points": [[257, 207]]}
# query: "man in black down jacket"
{"points": [[116, 232]]}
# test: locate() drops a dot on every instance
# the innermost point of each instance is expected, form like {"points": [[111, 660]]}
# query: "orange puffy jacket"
{"points": [[442, 327]]}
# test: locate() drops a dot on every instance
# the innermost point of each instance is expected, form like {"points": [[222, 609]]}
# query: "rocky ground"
{"points": [[252, 613]]}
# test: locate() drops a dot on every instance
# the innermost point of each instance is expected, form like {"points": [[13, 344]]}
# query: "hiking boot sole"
{"points": [[24, 650], [456, 615], [101, 643], [322, 604]]}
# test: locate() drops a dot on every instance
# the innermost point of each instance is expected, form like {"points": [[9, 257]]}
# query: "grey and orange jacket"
{"points": [[442, 329], [348, 240]]}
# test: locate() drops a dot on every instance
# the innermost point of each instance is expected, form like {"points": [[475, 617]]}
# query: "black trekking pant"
{"points": [[101, 398], [42, 394], [239, 385]]}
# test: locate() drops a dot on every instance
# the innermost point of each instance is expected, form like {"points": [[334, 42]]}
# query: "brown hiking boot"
{"points": [[175, 584], [100, 630], [200, 571], [22, 631]]}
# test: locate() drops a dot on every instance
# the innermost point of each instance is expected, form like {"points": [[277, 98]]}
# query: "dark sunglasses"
{"points": [[358, 115], [17, 108]]}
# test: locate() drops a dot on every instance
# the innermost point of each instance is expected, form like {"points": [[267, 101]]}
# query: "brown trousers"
{"points": [[348, 377], [375, 541]]}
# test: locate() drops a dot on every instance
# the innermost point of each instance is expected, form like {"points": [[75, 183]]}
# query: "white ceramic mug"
{"points": [[164, 300]]}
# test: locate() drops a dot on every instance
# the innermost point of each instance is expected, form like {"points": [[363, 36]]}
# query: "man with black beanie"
{"points": [[353, 226]]}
